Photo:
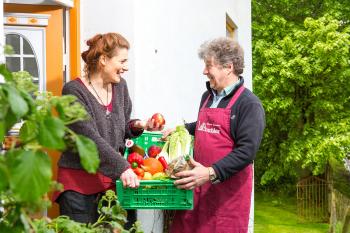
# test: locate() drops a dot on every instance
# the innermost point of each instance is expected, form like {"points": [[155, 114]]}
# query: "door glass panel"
{"points": [[14, 41], [25, 59], [31, 66], [29, 43], [13, 63], [27, 49]]}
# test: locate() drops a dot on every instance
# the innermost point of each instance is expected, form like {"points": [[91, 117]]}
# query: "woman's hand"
{"points": [[129, 179], [148, 125], [191, 179]]}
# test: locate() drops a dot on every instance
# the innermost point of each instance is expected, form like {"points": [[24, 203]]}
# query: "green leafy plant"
{"points": [[112, 219], [25, 167]]}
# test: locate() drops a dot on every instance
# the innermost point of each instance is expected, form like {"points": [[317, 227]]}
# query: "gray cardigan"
{"points": [[109, 133]]}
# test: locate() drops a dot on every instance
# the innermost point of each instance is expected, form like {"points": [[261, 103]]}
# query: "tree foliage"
{"points": [[301, 69]]}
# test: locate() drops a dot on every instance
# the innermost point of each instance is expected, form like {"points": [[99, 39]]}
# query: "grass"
{"points": [[274, 214]]}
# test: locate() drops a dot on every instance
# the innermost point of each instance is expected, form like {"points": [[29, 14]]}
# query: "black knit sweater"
{"points": [[247, 127], [109, 133]]}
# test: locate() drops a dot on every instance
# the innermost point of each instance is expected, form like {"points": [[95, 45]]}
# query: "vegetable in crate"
{"points": [[178, 143], [152, 165], [135, 159], [138, 149], [153, 151], [147, 176], [139, 172], [160, 176], [179, 164], [176, 150], [163, 161]]}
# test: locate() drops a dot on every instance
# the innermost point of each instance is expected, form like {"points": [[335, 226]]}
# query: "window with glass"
{"points": [[23, 57]]}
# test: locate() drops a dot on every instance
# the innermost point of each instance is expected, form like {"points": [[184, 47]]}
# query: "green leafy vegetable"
{"points": [[179, 143]]}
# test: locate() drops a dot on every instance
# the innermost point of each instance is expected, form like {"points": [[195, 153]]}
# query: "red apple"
{"points": [[153, 151], [158, 119]]}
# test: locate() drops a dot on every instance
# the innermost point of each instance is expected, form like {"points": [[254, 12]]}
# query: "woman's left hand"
{"points": [[129, 179]]}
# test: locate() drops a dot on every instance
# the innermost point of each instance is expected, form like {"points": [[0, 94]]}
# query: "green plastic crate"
{"points": [[146, 140], [153, 194]]}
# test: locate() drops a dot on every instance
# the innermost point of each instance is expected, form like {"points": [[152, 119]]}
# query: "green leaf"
{"points": [[60, 110], [18, 228], [51, 133], [28, 131], [10, 120], [30, 174], [3, 174], [24, 81], [17, 104], [6, 73], [29, 99], [4, 105], [2, 130], [88, 153]]}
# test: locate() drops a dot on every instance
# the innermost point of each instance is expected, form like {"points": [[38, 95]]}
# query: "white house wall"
{"points": [[168, 71], [165, 72], [110, 16]]}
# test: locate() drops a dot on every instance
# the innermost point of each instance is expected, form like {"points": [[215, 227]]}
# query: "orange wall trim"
{"points": [[74, 30]]}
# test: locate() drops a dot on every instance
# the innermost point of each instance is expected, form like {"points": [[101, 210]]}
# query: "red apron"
{"points": [[223, 207]]}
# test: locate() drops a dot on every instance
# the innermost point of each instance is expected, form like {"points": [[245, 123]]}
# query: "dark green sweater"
{"points": [[109, 133]]}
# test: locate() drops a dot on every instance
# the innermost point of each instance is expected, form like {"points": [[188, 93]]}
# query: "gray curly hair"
{"points": [[224, 51]]}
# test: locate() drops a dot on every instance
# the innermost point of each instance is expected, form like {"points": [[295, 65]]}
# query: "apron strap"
{"points": [[232, 101], [206, 101], [235, 97]]}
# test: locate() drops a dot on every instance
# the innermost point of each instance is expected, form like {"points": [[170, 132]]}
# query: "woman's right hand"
{"points": [[129, 179]]}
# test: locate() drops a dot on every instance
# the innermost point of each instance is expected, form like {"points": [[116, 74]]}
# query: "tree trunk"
{"points": [[346, 226]]}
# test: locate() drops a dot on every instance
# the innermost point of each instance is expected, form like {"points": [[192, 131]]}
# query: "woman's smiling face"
{"points": [[115, 66]]}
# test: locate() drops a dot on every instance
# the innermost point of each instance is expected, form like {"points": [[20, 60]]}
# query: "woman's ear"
{"points": [[103, 60]]}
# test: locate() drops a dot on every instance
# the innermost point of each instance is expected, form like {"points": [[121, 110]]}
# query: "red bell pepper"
{"points": [[162, 160], [135, 159]]}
